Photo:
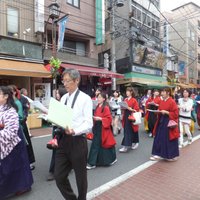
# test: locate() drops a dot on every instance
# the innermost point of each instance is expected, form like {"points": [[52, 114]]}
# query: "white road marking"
{"points": [[42, 136]]}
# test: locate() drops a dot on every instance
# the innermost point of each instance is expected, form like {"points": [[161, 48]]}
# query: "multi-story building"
{"points": [[21, 60], [81, 38], [137, 45], [28, 40], [182, 28]]}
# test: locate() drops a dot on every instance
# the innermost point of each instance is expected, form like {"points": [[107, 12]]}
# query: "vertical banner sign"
{"points": [[61, 32], [100, 22], [165, 39], [168, 65], [182, 69], [39, 15]]}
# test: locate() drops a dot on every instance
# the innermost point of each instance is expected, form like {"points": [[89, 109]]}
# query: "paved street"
{"points": [[163, 181], [147, 180], [118, 48]]}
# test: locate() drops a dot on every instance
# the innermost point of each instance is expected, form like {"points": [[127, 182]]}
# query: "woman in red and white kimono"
{"points": [[102, 150], [131, 137], [165, 145]]}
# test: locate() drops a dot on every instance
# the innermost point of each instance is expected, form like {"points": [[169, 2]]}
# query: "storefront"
{"points": [[92, 78], [145, 80], [23, 68], [24, 74], [141, 82], [32, 76]]}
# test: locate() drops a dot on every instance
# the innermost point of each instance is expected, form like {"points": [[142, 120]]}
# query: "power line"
{"points": [[31, 8]]}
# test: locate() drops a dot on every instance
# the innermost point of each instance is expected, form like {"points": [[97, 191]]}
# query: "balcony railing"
{"points": [[78, 52]]}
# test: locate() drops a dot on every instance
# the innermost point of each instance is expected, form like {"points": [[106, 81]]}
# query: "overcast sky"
{"points": [[167, 5]]}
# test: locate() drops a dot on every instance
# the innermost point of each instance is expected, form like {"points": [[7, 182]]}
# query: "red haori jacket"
{"points": [[171, 106], [107, 137], [132, 102]]}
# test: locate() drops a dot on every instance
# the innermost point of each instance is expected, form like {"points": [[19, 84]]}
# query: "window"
{"points": [[191, 73], [148, 21], [153, 24], [107, 24], [198, 24], [144, 18], [198, 57], [12, 22], [157, 26], [155, 33], [191, 54], [192, 35], [75, 3], [78, 48], [134, 10], [139, 15]]}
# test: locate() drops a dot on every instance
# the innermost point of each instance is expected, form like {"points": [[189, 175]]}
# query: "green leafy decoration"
{"points": [[55, 65]]}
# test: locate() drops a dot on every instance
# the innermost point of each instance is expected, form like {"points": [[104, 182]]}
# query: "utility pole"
{"points": [[119, 3], [131, 42], [131, 35], [113, 63]]}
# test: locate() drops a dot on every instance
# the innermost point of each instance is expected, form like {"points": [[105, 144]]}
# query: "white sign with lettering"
{"points": [[145, 70]]}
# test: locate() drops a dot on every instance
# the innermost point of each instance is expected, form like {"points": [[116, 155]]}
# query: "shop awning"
{"points": [[144, 79], [183, 85], [105, 81], [20, 68], [192, 85], [92, 71]]}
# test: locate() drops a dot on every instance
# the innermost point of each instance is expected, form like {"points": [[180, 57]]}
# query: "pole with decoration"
{"points": [[55, 70]]}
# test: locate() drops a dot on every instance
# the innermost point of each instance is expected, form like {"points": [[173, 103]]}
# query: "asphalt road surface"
{"points": [[47, 190]]}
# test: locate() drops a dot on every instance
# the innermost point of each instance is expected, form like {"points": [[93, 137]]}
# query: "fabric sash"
{"points": [[74, 100]]}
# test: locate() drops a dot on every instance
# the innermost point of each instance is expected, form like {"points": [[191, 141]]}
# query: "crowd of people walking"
{"points": [[167, 120]]}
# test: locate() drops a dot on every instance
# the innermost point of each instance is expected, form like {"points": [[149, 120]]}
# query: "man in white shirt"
{"points": [[72, 151]]}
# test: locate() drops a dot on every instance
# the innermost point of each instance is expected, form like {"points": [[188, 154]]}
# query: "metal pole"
{"points": [[113, 67], [54, 53], [131, 40], [54, 38]]}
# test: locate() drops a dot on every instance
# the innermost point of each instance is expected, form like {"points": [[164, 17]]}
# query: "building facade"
{"points": [[183, 33], [137, 44], [29, 38], [79, 51], [21, 59]]}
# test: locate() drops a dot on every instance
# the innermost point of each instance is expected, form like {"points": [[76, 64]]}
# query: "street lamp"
{"points": [[54, 13]]}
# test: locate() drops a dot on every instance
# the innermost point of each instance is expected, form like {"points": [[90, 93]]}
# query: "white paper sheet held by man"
{"points": [[59, 114], [40, 106]]}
